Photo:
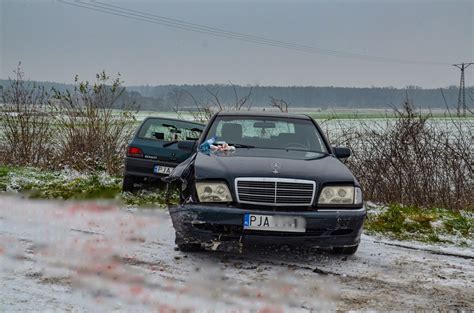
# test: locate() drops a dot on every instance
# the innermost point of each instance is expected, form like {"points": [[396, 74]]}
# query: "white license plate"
{"points": [[274, 223], [160, 169]]}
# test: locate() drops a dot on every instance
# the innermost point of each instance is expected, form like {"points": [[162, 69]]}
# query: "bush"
{"points": [[85, 130], [93, 129], [412, 161]]}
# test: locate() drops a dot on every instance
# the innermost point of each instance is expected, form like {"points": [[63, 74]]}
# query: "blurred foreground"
{"points": [[98, 256]]}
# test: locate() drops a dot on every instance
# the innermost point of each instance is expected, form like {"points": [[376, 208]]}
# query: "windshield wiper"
{"points": [[239, 145], [169, 143], [323, 154]]}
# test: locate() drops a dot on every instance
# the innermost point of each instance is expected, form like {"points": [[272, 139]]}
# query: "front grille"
{"points": [[275, 191]]}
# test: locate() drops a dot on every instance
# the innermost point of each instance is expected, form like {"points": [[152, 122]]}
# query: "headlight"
{"points": [[213, 192], [340, 195]]}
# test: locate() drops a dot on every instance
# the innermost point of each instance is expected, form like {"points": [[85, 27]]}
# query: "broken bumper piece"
{"points": [[218, 226]]}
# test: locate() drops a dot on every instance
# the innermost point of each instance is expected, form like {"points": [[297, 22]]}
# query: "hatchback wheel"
{"points": [[128, 184]]}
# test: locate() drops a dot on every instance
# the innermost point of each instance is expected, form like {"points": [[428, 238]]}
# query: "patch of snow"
{"points": [[89, 256], [374, 208]]}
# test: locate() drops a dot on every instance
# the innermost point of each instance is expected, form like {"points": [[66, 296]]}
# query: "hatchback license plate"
{"points": [[160, 169], [274, 223]]}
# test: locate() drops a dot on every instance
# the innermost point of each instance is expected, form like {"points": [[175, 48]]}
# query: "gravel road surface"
{"points": [[98, 256]]}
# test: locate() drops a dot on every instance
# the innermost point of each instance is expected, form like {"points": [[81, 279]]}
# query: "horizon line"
{"points": [[252, 85]]}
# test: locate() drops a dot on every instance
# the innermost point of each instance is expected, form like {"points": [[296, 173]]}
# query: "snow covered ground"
{"points": [[100, 257]]}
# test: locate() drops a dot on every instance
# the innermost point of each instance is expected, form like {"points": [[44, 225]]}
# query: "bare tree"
{"points": [[280, 104], [215, 99], [241, 101], [217, 105], [204, 110], [177, 97], [25, 129]]}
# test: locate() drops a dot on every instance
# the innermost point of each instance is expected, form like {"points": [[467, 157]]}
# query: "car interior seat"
{"points": [[232, 132]]}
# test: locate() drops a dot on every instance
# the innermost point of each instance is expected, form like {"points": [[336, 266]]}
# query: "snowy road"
{"points": [[89, 256]]}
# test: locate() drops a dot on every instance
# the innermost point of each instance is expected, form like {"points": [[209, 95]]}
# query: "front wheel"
{"points": [[189, 247], [345, 250], [184, 245], [128, 184]]}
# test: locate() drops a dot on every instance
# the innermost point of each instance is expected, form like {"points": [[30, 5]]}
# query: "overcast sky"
{"points": [[55, 41]]}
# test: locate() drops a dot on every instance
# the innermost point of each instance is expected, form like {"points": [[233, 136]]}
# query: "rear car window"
{"points": [[169, 130]]}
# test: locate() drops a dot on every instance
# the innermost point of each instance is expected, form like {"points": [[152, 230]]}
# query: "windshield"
{"points": [[268, 133], [169, 130]]}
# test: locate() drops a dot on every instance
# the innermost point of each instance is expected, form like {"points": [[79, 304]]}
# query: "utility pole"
{"points": [[462, 89]]}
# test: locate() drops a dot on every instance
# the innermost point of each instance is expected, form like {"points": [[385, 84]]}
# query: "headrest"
{"points": [[231, 132]]}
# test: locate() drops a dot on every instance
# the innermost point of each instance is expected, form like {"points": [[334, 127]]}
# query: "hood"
{"points": [[261, 163]]}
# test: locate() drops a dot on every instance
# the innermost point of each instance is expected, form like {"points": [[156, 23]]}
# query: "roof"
{"points": [[172, 119], [263, 114]]}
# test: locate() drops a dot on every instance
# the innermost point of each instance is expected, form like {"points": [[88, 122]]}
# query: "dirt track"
{"points": [[86, 256]]}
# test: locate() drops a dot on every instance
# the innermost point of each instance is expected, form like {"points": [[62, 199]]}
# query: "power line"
{"points": [[242, 36], [147, 19], [239, 36], [174, 23], [186, 26], [462, 89]]}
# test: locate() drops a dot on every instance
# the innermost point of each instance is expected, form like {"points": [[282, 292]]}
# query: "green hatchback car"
{"points": [[153, 151]]}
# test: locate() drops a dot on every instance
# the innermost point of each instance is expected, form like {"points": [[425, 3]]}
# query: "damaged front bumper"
{"points": [[211, 225]]}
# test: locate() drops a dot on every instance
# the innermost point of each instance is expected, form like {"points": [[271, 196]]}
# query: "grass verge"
{"points": [[425, 225], [40, 184]]}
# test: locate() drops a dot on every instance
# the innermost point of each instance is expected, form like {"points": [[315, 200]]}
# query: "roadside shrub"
{"points": [[413, 160], [93, 127], [25, 130]]}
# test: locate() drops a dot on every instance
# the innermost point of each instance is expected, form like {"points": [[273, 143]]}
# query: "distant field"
{"points": [[334, 119], [319, 114], [333, 122], [324, 115]]}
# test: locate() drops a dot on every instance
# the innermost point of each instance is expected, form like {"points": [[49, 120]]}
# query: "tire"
{"points": [[128, 184], [184, 245], [189, 247], [345, 250]]}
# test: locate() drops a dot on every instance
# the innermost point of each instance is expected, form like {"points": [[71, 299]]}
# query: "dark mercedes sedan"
{"points": [[266, 178]]}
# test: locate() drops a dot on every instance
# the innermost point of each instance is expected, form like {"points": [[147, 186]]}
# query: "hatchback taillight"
{"points": [[134, 152]]}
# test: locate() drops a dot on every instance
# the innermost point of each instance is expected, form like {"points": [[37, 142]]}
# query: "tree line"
{"points": [[323, 98], [169, 97]]}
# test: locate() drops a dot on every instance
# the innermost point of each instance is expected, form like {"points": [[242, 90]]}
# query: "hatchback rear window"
{"points": [[169, 130]]}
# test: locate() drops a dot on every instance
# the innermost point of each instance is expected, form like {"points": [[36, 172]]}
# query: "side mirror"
{"points": [[186, 145], [342, 152]]}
